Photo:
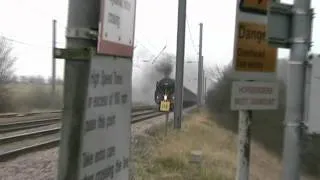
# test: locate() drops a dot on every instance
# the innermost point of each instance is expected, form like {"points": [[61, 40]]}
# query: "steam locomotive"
{"points": [[165, 91]]}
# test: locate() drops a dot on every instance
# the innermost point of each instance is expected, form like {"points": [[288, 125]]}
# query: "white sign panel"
{"points": [[253, 58], [254, 95], [116, 33], [314, 99], [106, 128]]}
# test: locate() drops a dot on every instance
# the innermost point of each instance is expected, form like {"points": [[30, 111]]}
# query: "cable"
{"points": [[144, 46], [25, 43], [193, 45], [159, 54]]}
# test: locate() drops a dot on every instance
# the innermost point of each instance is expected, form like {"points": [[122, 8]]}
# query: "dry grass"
{"points": [[159, 157]]}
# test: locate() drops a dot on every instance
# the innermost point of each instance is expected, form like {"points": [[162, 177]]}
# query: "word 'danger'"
{"points": [[254, 95], [253, 53]]}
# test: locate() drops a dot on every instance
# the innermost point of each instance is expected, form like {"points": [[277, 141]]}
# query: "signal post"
{"points": [[254, 73], [95, 135], [290, 26]]}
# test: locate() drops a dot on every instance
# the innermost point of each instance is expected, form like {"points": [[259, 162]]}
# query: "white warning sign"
{"points": [[254, 95]]}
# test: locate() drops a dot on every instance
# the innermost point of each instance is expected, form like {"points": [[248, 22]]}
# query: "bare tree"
{"points": [[7, 61]]}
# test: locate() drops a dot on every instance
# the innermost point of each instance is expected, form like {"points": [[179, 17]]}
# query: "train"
{"points": [[164, 91]]}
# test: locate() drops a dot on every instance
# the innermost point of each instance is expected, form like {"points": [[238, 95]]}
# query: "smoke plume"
{"points": [[161, 67], [165, 65]]}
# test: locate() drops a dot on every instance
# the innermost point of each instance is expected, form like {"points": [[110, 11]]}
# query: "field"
{"points": [[160, 157], [33, 97], [29, 97]]}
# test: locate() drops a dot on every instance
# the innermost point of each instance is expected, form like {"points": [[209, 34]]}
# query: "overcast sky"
{"points": [[29, 24]]}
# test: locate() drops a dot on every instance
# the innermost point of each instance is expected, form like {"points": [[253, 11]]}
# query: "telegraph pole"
{"points": [[295, 97], [180, 63], [53, 78], [200, 68], [82, 16]]}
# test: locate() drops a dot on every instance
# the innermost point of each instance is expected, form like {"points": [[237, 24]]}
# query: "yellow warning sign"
{"points": [[255, 6], [252, 53], [165, 106]]}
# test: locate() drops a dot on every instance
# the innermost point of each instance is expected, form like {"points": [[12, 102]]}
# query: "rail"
{"points": [[27, 124], [16, 114], [137, 116]]}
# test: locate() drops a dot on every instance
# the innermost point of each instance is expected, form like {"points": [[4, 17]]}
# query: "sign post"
{"points": [[254, 69], [96, 130], [166, 124], [165, 107], [295, 33]]}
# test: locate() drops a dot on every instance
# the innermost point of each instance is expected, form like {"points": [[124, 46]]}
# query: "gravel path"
{"points": [[42, 165]]}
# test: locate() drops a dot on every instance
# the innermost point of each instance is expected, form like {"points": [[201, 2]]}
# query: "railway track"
{"points": [[28, 124], [12, 115], [52, 134]]}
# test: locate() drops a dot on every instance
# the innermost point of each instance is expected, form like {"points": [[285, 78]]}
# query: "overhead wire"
{"points": [[24, 43], [190, 34], [28, 44], [64, 26]]}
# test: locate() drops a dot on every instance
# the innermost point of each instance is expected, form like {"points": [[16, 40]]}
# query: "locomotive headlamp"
{"points": [[165, 97]]}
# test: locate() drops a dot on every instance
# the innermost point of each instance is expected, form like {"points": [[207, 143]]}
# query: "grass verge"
{"points": [[160, 157]]}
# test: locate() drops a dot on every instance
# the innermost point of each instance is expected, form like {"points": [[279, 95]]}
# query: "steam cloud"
{"points": [[162, 67], [165, 66], [144, 86]]}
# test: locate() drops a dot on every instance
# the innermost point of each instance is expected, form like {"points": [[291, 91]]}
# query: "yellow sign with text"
{"points": [[255, 6], [253, 54], [165, 106]]}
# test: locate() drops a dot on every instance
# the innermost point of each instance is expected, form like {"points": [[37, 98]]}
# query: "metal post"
{"points": [[200, 67], [53, 78], [295, 91], [203, 85], [180, 63], [245, 118], [166, 124], [82, 14], [204, 88]]}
